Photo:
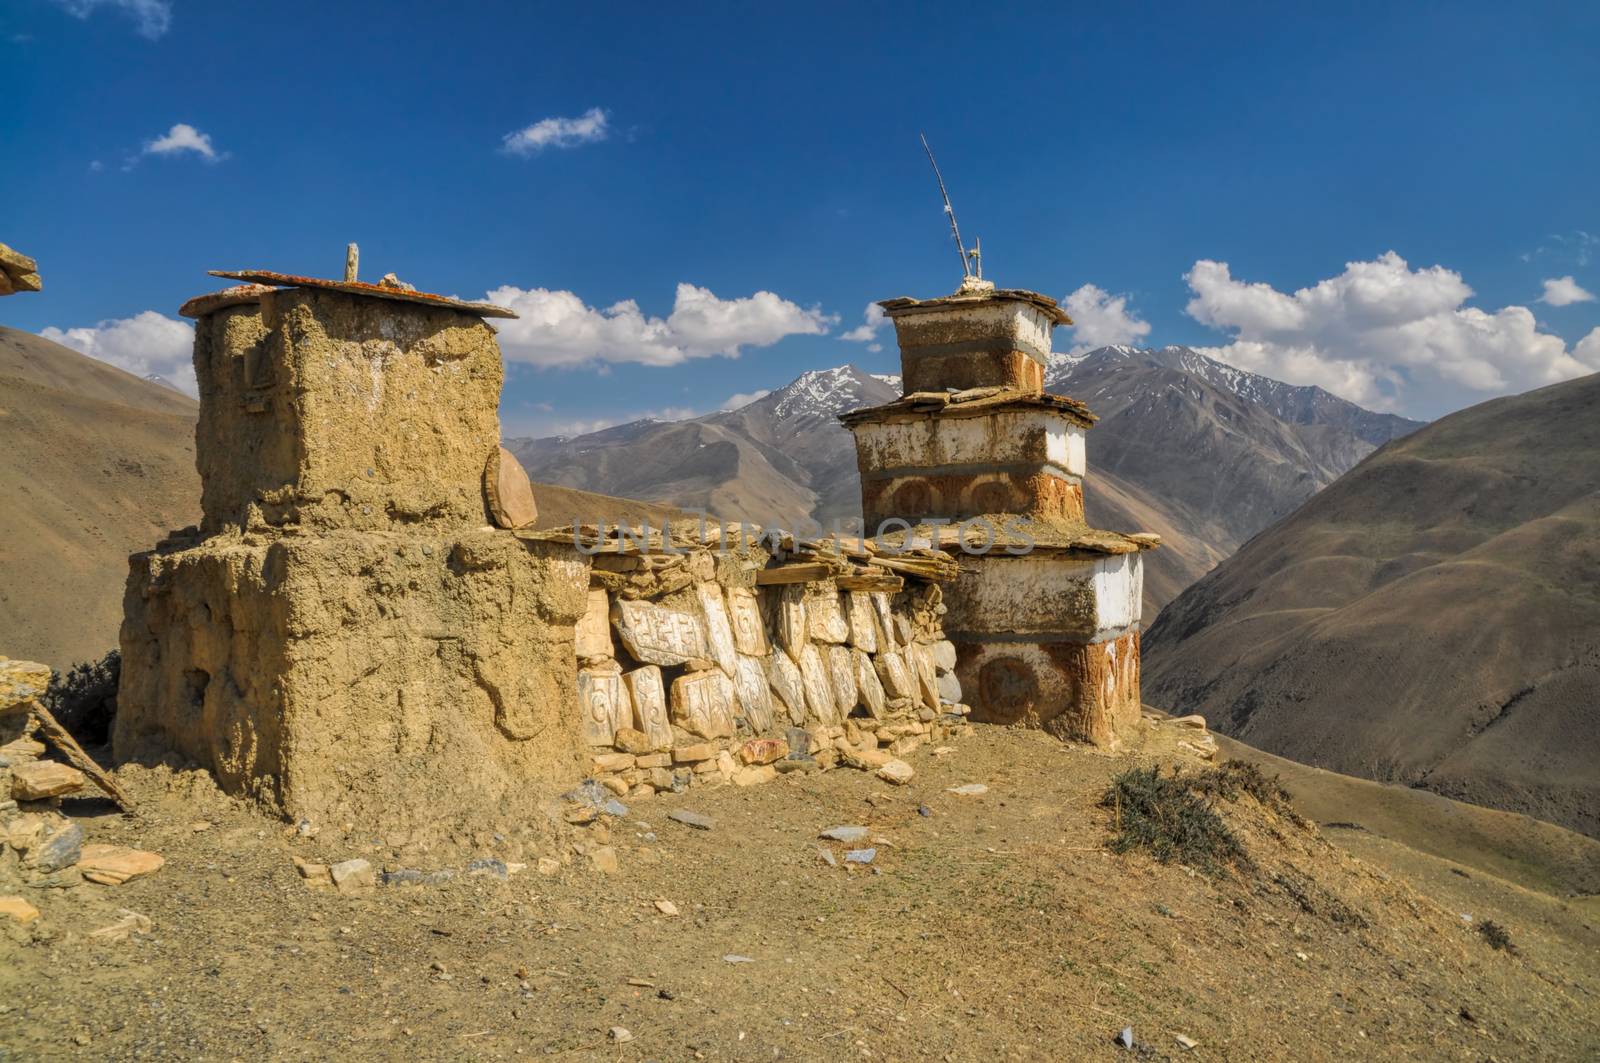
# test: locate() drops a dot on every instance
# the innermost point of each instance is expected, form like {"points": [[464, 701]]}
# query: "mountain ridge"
{"points": [[1432, 618]]}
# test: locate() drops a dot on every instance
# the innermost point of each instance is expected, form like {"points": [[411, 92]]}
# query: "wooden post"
{"points": [[352, 259], [58, 737]]}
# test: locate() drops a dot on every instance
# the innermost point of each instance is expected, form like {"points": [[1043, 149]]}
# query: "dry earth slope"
{"points": [[94, 464], [1433, 618]]}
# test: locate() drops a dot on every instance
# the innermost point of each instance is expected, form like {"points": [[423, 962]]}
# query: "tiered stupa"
{"points": [[978, 459]]}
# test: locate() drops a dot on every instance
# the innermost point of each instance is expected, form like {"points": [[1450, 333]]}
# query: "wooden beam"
{"points": [[800, 573], [868, 582], [75, 755]]}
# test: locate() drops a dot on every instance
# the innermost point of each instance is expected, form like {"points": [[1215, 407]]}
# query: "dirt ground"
{"points": [[987, 927]]}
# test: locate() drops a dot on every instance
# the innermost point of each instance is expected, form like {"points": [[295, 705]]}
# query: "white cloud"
{"points": [[739, 400], [146, 344], [1587, 350], [588, 128], [556, 328], [1100, 319], [1564, 291], [1384, 335], [181, 138], [151, 18], [872, 320]]}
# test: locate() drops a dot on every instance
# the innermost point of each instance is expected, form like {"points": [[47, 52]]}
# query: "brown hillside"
{"points": [[94, 464], [1432, 618]]}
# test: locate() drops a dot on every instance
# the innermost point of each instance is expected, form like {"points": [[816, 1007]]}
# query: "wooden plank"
{"points": [[868, 582], [800, 573], [75, 755]]}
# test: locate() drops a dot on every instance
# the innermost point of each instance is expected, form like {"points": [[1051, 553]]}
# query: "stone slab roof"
{"points": [[971, 402], [378, 291], [906, 305]]}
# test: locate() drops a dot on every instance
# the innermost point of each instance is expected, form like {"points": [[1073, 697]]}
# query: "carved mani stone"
{"points": [[921, 662], [594, 629], [785, 681], [863, 622], [603, 704], [649, 699], [868, 685], [827, 618], [654, 634], [702, 702], [842, 674], [885, 610], [792, 630], [755, 697], [897, 681], [744, 613], [509, 494], [819, 688], [719, 633]]}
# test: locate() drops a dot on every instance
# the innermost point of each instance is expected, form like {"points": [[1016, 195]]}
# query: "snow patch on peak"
{"points": [[821, 393]]}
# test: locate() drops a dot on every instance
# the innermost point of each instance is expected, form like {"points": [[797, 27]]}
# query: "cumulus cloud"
{"points": [[588, 128], [181, 138], [1100, 319], [1564, 291], [146, 344], [151, 18], [556, 328], [740, 399], [872, 320], [1383, 335]]}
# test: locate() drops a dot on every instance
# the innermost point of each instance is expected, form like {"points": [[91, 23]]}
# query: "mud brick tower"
{"points": [[345, 636], [976, 457]]}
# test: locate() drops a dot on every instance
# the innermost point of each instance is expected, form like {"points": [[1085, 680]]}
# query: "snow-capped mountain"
{"points": [[777, 460], [1295, 403]]}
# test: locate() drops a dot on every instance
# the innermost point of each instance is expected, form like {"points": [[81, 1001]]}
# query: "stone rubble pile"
{"points": [[711, 657], [40, 848]]}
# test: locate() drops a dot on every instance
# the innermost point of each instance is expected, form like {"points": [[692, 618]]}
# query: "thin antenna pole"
{"points": [[966, 269]]}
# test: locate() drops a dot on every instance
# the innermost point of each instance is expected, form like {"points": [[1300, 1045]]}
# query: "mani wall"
{"points": [[359, 632]]}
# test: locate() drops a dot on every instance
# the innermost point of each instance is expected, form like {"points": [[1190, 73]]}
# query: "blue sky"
{"points": [[1369, 197]]}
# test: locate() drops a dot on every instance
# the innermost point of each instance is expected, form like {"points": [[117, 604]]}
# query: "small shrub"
{"points": [[1496, 936], [1171, 817], [1237, 777], [84, 698]]}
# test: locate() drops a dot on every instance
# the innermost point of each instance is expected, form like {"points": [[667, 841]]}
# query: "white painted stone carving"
{"points": [[719, 633], [654, 634], [922, 668], [703, 703], [594, 629], [786, 683], [826, 617], [885, 610], [863, 620], [755, 697], [792, 631], [842, 676], [649, 698], [819, 688], [744, 613], [868, 685], [897, 680], [603, 703]]}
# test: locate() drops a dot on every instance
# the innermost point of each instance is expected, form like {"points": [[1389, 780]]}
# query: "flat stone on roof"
{"points": [[380, 291], [906, 305]]}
